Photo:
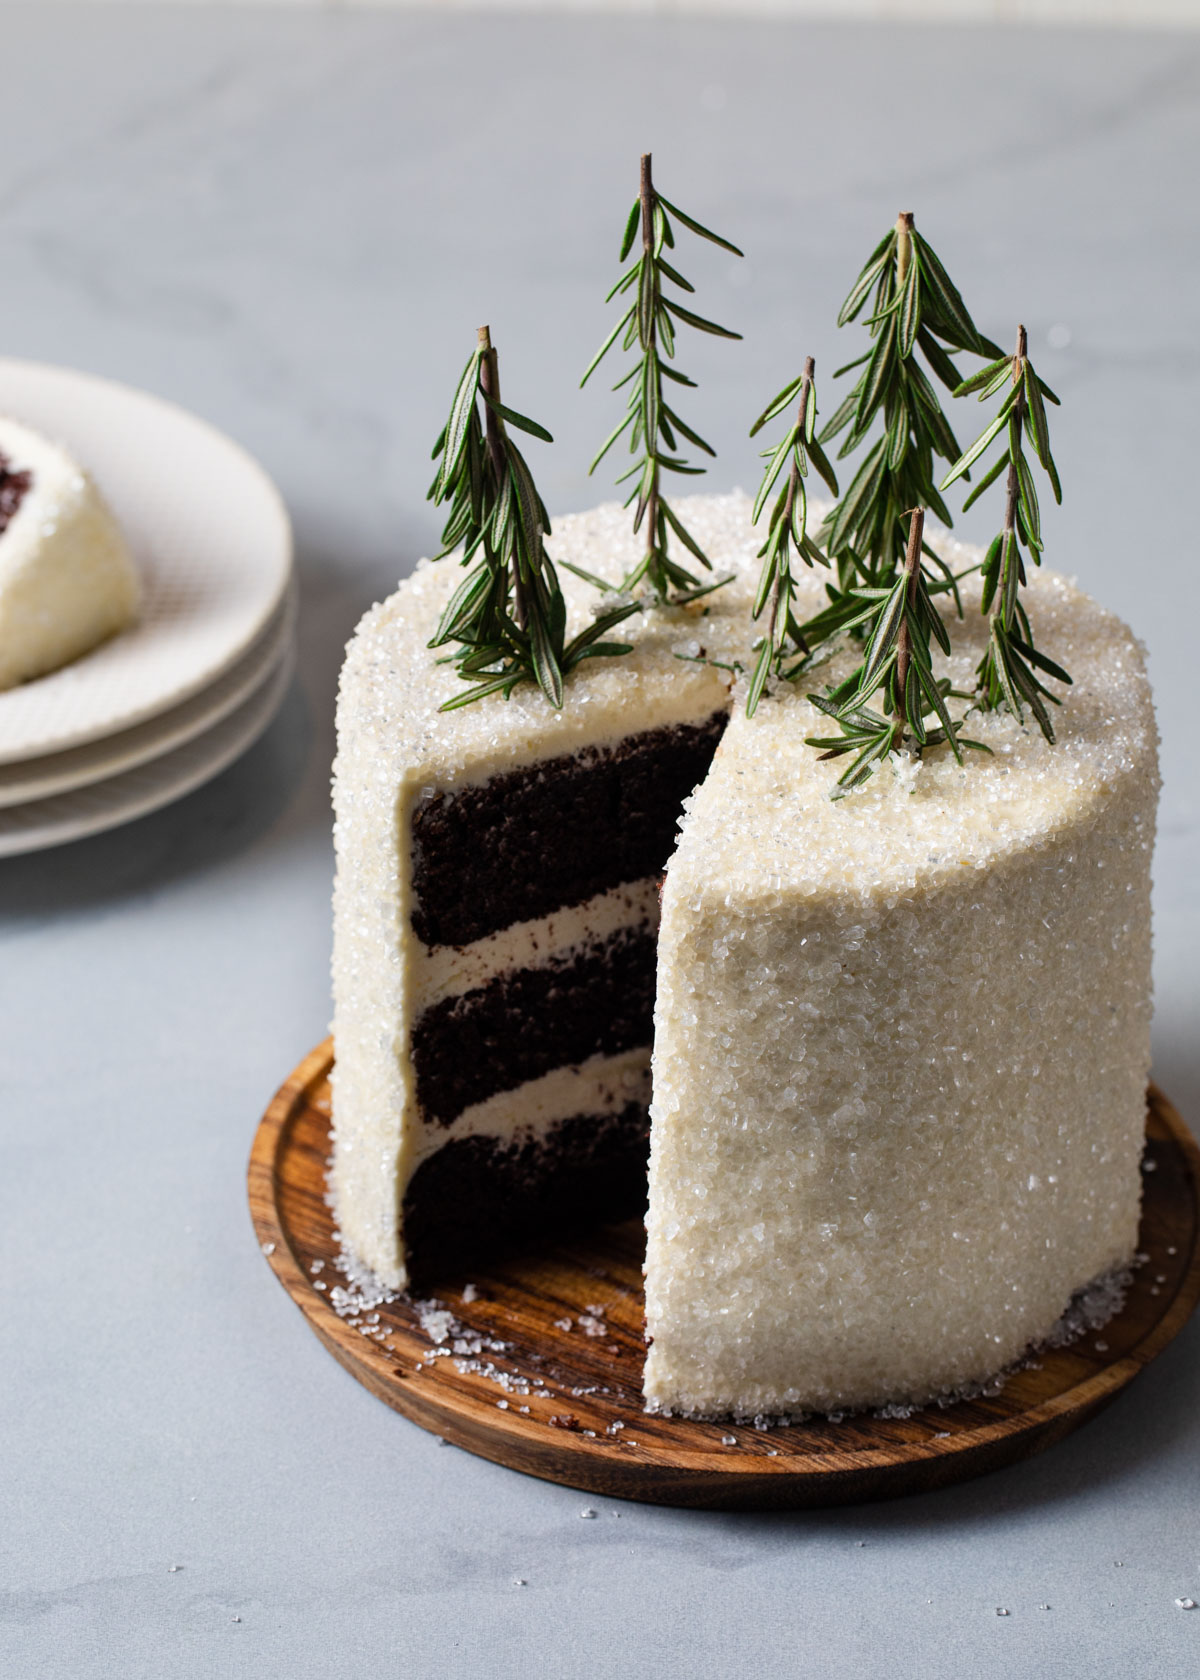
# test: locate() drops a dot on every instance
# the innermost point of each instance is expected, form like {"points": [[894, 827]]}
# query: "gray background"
{"points": [[292, 222]]}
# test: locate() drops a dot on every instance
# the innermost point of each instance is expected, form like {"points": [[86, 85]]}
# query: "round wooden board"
{"points": [[541, 1368]]}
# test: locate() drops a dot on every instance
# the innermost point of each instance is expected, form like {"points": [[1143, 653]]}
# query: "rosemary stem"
{"points": [[912, 567], [904, 228], [810, 368], [1010, 557], [489, 379], [650, 343]]}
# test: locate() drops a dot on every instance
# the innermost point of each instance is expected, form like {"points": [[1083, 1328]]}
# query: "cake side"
{"points": [[67, 582], [495, 907], [902, 1042]]}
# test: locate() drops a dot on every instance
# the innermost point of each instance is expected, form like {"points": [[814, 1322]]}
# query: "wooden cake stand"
{"points": [[538, 1365]]}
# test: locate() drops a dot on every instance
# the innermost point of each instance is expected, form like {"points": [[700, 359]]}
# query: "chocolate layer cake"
{"points": [[900, 1041]]}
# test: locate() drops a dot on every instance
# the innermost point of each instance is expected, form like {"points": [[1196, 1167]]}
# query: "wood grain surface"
{"points": [[539, 1365]]}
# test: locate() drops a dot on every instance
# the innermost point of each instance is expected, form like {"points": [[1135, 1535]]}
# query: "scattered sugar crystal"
{"points": [[588, 1512], [438, 1323], [1186, 1603], [470, 1293], [268, 1248]]}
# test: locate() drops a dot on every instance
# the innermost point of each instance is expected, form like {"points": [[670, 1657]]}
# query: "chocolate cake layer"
{"points": [[538, 839], [477, 1198], [521, 1025]]}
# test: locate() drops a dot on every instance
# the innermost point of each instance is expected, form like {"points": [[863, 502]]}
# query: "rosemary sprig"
{"points": [[649, 322], [900, 624], [914, 306], [787, 528], [507, 617], [1008, 672]]}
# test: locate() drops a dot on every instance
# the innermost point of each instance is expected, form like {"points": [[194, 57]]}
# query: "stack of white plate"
{"points": [[155, 712]]}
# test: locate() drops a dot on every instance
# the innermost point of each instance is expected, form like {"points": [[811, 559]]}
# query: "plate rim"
{"points": [[276, 637], [258, 711], [86, 734]]}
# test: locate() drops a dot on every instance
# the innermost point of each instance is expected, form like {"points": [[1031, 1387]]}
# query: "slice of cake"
{"points": [[67, 582], [900, 1039]]}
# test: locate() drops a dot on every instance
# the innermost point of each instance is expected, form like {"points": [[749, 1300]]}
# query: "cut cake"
{"points": [[900, 1040]]}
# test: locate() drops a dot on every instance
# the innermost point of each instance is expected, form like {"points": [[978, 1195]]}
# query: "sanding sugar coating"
{"points": [[901, 1044]]}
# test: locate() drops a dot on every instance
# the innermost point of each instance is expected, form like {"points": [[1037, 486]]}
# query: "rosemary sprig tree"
{"points": [[1008, 672], [507, 617], [649, 324], [901, 625], [787, 529], [914, 306]]}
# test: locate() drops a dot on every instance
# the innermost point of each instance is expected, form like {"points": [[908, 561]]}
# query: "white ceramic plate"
{"points": [[89, 810], [41, 778], [210, 537]]}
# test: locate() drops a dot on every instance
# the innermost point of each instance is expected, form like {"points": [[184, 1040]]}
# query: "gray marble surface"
{"points": [[292, 223]]}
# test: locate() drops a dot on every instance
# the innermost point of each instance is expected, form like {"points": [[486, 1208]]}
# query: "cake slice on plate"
{"points": [[67, 582]]}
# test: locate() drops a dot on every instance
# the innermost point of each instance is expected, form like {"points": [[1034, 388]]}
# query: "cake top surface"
{"points": [[763, 816], [763, 821], [393, 684]]}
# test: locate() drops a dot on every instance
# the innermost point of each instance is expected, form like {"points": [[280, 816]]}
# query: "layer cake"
{"points": [[900, 1039]]}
